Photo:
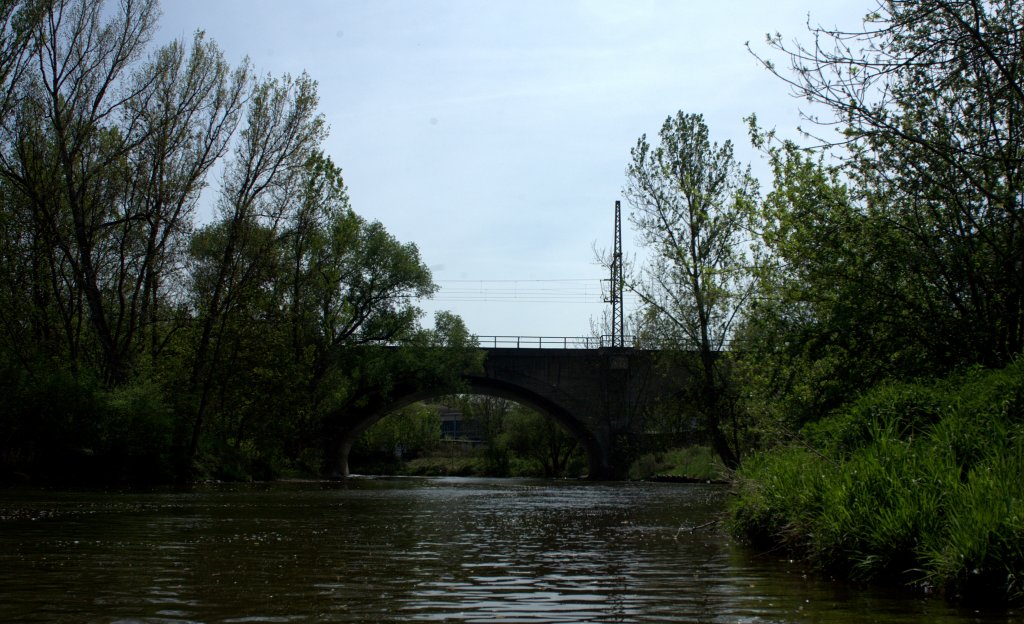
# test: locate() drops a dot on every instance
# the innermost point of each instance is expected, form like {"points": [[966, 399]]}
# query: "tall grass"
{"points": [[919, 484], [698, 463]]}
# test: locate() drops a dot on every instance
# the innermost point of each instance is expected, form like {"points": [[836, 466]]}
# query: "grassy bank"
{"points": [[460, 462], [918, 484], [691, 463]]}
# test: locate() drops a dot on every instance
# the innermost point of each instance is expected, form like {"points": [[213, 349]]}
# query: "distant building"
{"points": [[457, 428]]}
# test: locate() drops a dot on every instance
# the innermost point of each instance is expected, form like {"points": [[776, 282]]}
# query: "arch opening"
{"points": [[359, 424]]}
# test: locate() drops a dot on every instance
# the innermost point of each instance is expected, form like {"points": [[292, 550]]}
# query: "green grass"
{"points": [[918, 484], [697, 463], [443, 466]]}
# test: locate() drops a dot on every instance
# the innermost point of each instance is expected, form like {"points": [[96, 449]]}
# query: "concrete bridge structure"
{"points": [[598, 394]]}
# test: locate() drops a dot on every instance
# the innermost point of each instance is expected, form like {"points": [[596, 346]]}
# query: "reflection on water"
{"points": [[457, 550]]}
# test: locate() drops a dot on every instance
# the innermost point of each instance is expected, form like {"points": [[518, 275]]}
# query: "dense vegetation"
{"points": [[869, 304], [138, 343], [917, 484], [498, 438], [878, 359]]}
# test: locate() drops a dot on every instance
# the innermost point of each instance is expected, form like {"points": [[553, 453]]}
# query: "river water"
{"points": [[400, 550]]}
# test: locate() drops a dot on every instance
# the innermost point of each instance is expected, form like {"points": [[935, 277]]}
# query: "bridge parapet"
{"points": [[550, 342], [589, 342]]}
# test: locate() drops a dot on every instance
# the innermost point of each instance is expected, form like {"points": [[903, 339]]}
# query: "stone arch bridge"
{"points": [[598, 394]]}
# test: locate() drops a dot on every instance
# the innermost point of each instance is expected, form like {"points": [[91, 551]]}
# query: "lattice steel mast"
{"points": [[617, 284]]}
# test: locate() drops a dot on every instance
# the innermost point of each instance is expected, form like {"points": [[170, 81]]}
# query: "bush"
{"points": [[444, 466], [49, 423], [698, 463], [779, 493], [59, 425], [135, 434], [920, 483]]}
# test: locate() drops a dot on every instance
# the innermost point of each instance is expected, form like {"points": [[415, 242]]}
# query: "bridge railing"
{"points": [[586, 342], [549, 342]]}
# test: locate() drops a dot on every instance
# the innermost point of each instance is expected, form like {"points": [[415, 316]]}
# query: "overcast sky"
{"points": [[494, 134]]}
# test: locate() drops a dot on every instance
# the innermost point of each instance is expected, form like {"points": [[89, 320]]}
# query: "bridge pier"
{"points": [[600, 395]]}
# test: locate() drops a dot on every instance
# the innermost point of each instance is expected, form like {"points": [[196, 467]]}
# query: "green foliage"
{"points": [[693, 206], [59, 426], [136, 433], [826, 324], [905, 409], [692, 463], [487, 416], [983, 547], [407, 433], [544, 443], [49, 421], [137, 348], [448, 464], [779, 494], [514, 442], [894, 254], [916, 483]]}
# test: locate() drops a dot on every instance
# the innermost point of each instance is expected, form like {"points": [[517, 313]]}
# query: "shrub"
{"points": [[921, 483], [135, 434], [691, 462]]}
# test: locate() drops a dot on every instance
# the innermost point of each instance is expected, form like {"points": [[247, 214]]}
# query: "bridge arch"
{"points": [[482, 385], [601, 396]]}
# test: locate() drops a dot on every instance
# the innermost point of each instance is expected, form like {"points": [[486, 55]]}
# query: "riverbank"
{"points": [[691, 464], [916, 484]]}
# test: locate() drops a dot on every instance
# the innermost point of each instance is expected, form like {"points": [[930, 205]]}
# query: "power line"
{"points": [[558, 291], [479, 281]]}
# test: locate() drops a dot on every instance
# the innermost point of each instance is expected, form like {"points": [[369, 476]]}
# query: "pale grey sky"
{"points": [[495, 134]]}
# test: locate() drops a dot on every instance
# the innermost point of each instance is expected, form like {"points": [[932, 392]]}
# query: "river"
{"points": [[400, 550]]}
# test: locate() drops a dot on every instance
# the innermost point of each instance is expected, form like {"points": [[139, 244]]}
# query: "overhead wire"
{"points": [[560, 291]]}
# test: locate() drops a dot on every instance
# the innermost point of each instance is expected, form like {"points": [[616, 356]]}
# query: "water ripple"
{"points": [[441, 550]]}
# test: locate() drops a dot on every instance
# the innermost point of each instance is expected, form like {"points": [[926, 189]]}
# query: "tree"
{"points": [[72, 141], [282, 131], [407, 432], [242, 333], [20, 23], [487, 416], [929, 99], [307, 311], [691, 205], [189, 103], [104, 151], [539, 438], [106, 155], [820, 327]]}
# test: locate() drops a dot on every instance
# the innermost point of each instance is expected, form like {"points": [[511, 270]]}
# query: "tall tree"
{"points": [[539, 439], [107, 154], [20, 23], [105, 147], [691, 205], [72, 144], [282, 129], [189, 104], [823, 324], [929, 100]]}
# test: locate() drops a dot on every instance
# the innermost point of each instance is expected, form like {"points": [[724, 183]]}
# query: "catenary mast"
{"points": [[617, 284]]}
